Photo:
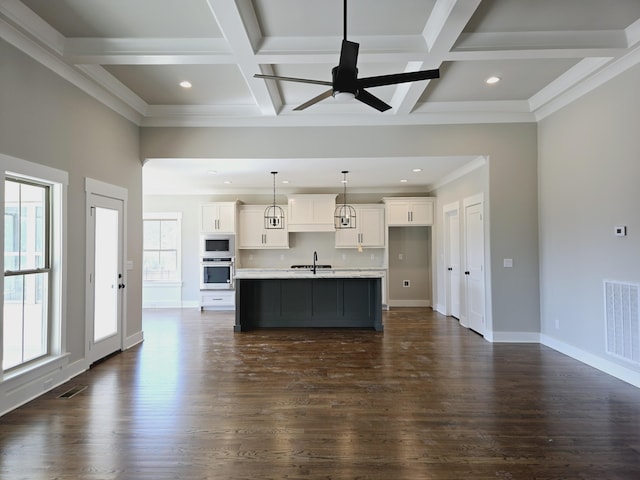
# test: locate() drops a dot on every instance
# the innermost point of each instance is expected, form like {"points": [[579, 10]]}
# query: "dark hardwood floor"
{"points": [[426, 399]]}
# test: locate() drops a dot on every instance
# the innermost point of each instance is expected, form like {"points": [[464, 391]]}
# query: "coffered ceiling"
{"points": [[133, 54]]}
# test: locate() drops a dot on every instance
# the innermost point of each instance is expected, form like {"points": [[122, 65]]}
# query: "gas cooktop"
{"points": [[310, 267]]}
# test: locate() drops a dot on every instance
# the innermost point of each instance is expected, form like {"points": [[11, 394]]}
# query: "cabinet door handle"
{"points": [[467, 272], [450, 269]]}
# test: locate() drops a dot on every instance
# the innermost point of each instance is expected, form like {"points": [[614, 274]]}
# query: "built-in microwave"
{"points": [[217, 245], [216, 273]]}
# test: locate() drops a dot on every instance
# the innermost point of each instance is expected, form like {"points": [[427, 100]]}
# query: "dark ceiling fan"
{"points": [[345, 78]]}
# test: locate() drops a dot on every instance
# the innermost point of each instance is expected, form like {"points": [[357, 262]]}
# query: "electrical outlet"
{"points": [[400, 256], [406, 283], [373, 257], [557, 324]]}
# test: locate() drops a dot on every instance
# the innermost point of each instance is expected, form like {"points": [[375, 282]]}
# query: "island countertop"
{"points": [[356, 272]]}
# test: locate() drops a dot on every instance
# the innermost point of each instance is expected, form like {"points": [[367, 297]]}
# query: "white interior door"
{"points": [[106, 276], [474, 267], [454, 285]]}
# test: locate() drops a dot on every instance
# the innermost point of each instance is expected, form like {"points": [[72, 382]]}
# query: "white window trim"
{"points": [[58, 180], [166, 216]]}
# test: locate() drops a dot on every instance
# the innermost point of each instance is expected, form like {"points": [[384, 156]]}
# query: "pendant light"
{"points": [[273, 214], [344, 215]]}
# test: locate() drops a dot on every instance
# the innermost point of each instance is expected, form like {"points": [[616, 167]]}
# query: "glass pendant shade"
{"points": [[344, 215], [273, 214]]}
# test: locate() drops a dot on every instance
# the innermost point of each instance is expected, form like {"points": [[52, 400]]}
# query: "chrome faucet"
{"points": [[315, 259]]}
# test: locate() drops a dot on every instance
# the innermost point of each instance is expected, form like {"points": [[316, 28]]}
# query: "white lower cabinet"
{"points": [[218, 299], [251, 231], [369, 231]]}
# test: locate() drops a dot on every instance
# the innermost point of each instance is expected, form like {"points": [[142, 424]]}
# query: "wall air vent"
{"points": [[622, 320]]}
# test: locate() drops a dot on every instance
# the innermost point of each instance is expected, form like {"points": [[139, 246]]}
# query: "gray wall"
{"points": [[589, 181], [512, 183], [409, 259], [48, 121]]}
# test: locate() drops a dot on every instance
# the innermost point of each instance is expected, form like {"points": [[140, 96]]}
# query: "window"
{"points": [[27, 272], [162, 256]]}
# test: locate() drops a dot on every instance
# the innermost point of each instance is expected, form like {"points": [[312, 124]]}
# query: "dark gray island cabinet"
{"points": [[285, 299]]}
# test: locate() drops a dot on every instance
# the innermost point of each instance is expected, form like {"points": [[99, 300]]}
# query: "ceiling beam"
{"points": [[239, 25], [447, 20]]}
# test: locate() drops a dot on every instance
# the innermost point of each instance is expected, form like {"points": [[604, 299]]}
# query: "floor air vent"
{"points": [[623, 320], [72, 392]]}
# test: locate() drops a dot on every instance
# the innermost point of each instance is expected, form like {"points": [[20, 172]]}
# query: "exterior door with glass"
{"points": [[106, 276]]}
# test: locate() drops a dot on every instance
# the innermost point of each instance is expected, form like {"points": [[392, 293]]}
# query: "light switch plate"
{"points": [[507, 262]]}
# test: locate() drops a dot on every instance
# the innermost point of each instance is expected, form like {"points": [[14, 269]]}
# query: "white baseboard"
{"points": [[607, 366], [160, 304], [21, 390], [74, 369], [515, 337], [409, 303], [133, 340], [441, 309], [191, 304]]}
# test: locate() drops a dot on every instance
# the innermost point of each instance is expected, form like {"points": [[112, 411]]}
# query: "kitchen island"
{"points": [[328, 298]]}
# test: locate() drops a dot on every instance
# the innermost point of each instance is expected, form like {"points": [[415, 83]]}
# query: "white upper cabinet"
{"points": [[403, 211], [219, 217], [369, 231], [311, 212], [251, 231]]}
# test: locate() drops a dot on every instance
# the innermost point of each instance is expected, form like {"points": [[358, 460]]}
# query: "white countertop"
{"points": [[246, 273]]}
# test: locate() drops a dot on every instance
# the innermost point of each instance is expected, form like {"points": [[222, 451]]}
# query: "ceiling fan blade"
{"points": [[348, 55], [368, 82], [292, 79], [315, 100], [372, 101]]}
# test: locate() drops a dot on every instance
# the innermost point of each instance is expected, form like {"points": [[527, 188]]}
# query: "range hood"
{"points": [[312, 212]]}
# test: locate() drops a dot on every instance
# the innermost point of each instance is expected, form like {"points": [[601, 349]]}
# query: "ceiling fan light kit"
{"points": [[346, 85]]}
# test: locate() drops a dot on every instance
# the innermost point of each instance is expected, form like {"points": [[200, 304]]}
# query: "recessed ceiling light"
{"points": [[492, 80], [285, 181], [212, 172], [185, 84], [227, 182], [404, 180], [416, 170]]}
